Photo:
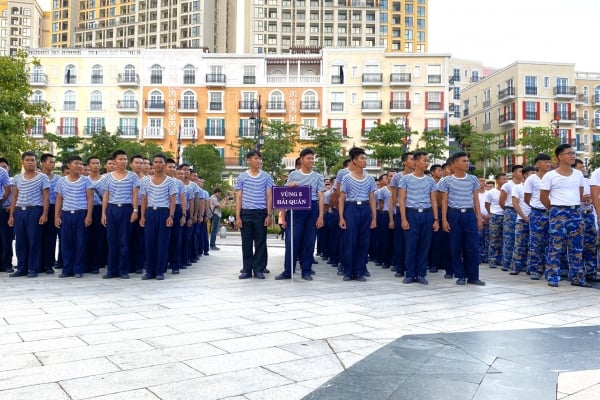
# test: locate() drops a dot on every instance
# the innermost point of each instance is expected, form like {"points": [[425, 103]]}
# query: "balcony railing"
{"points": [[154, 105], [434, 105], [565, 116], [95, 105], [97, 79], [310, 106], [154, 132], [582, 122], [434, 79], [487, 103], [67, 130], [247, 131], [216, 79], [337, 106], [91, 130], [372, 78], [583, 148], [38, 131], [509, 143], [531, 116], [189, 133], [276, 106], [215, 106], [400, 78], [187, 105], [214, 132], [128, 131], [127, 105], [399, 105], [506, 118], [38, 79], [336, 79], [128, 79], [531, 90], [581, 98], [69, 105], [249, 80], [565, 91], [507, 93], [372, 105]]}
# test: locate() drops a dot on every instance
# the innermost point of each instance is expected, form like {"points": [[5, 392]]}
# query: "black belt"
{"points": [[418, 210], [74, 211], [120, 204], [25, 208], [542, 210], [460, 210], [157, 208], [511, 207], [358, 202], [566, 207]]}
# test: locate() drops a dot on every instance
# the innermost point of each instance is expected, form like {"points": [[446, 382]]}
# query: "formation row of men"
{"points": [[151, 217]]}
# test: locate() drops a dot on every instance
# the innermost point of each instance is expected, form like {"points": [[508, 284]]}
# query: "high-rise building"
{"points": [[242, 26], [21, 26]]}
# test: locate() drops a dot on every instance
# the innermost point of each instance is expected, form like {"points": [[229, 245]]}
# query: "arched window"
{"points": [[96, 100], [189, 74], [37, 97], [156, 74], [129, 74], [71, 74], [69, 100], [97, 74], [189, 100], [129, 99], [597, 118], [156, 99], [596, 95], [275, 100], [309, 100]]}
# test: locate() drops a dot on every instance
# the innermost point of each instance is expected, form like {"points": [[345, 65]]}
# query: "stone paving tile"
{"points": [[141, 333], [181, 339], [121, 381], [241, 360], [220, 386], [308, 368], [138, 394], [575, 381], [333, 330], [12, 362], [148, 358], [269, 327], [40, 345], [47, 391], [285, 392], [92, 351], [67, 332], [258, 341]]}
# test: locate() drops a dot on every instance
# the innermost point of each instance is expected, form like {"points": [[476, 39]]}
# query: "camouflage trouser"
{"points": [[508, 237], [484, 243], [520, 252], [538, 240], [565, 234], [589, 243], [495, 247]]}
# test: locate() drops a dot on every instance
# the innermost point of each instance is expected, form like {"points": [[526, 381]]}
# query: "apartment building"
{"points": [[533, 94], [185, 96], [21, 26]]}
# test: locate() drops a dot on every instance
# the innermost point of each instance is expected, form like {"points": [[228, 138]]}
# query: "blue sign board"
{"points": [[292, 198]]}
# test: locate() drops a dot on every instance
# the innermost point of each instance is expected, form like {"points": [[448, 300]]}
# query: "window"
{"points": [[156, 74], [531, 110], [546, 107], [129, 74], [215, 127], [70, 74], [456, 93], [276, 101], [94, 125], [307, 125], [189, 101], [69, 101], [189, 75], [546, 82], [68, 126], [37, 97], [156, 100], [337, 101], [215, 101], [368, 124], [531, 85], [434, 101], [96, 100], [97, 74], [340, 125], [456, 75], [128, 127], [249, 74]]}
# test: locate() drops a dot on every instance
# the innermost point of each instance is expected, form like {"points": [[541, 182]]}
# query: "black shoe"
{"points": [[378, 264], [245, 275], [314, 261], [408, 280], [9, 270], [581, 283], [385, 266], [477, 282], [63, 275], [206, 254], [461, 281], [17, 274], [307, 277], [282, 277], [139, 271], [49, 271], [448, 276], [107, 276], [361, 279], [160, 277], [346, 278], [124, 276], [394, 268], [95, 271], [259, 275], [422, 281], [399, 274], [587, 278], [504, 269], [340, 273], [215, 248], [513, 272], [312, 272], [78, 275], [145, 277], [175, 272], [367, 274], [266, 271], [32, 274]]}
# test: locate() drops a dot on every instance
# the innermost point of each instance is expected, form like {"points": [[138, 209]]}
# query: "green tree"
{"points": [[595, 160], [388, 142], [101, 145], [434, 143], [327, 144], [64, 147], [485, 149], [17, 113], [279, 141], [535, 140], [207, 162]]}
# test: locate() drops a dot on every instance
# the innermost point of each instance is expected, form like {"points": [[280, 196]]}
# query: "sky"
{"points": [[499, 32]]}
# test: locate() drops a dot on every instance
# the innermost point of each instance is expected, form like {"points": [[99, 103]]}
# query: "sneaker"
{"points": [[581, 283], [361, 279], [17, 274], [307, 277], [399, 274], [552, 284], [346, 278], [78, 275], [493, 265], [282, 276], [535, 276], [514, 272], [32, 274]]}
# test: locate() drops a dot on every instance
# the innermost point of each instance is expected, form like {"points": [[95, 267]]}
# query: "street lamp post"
{"points": [[256, 121], [179, 146]]}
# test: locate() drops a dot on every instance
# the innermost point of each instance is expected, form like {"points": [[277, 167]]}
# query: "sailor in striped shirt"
{"points": [[73, 215], [97, 248]]}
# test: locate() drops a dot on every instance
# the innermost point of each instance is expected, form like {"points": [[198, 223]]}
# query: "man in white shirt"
{"points": [[496, 221], [590, 233], [561, 193], [510, 217], [520, 252]]}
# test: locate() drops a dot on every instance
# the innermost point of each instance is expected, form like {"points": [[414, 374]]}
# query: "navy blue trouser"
{"points": [[49, 237], [73, 241], [398, 256], [137, 253], [305, 233], [464, 244], [118, 233], [175, 244], [384, 238], [157, 241], [96, 246], [7, 234], [325, 236], [28, 236], [203, 241], [186, 239], [417, 240], [356, 238], [254, 240], [334, 238]]}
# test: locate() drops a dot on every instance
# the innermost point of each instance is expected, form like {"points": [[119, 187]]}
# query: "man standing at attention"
{"points": [[510, 217], [561, 193], [496, 214], [253, 209], [49, 230], [214, 205]]}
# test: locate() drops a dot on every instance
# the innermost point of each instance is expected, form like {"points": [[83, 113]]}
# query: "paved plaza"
{"points": [[205, 334]]}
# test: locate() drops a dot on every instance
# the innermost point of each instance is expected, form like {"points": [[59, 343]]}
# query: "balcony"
{"points": [[129, 132], [565, 92], [128, 80], [566, 117], [400, 79], [248, 106], [127, 106], [97, 79], [276, 107], [95, 105], [154, 106], [336, 79], [154, 132], [372, 106], [187, 106], [531, 116], [506, 119], [343, 132], [66, 130], [337, 106], [189, 133], [37, 132], [214, 132], [69, 105], [487, 103], [372, 79], [397, 106], [434, 79], [216, 80], [581, 98], [434, 106], [88, 131], [583, 148], [364, 133], [508, 144], [582, 123], [248, 131], [506, 94], [38, 79], [310, 107], [249, 80]]}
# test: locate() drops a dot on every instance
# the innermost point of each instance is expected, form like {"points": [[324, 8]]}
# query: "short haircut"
{"points": [[137, 156], [307, 151], [542, 157], [90, 158], [516, 167], [108, 159], [560, 148], [355, 152], [578, 161], [500, 175], [529, 168], [297, 163], [73, 158], [170, 161], [117, 153], [28, 154], [253, 153], [382, 175], [161, 156], [46, 156], [345, 163], [405, 155], [435, 167], [63, 168], [181, 166], [217, 190], [457, 155], [4, 160], [418, 154]]}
